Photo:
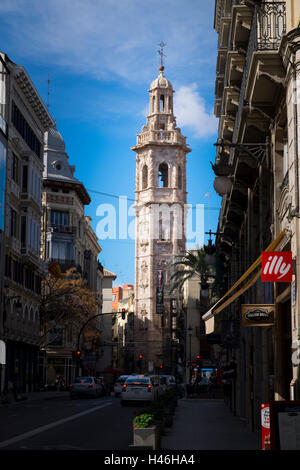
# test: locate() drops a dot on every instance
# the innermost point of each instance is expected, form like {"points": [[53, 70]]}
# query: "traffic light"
{"points": [[123, 313], [199, 362], [78, 354], [141, 356]]}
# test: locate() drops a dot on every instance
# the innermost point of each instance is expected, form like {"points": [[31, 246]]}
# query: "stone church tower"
{"points": [[160, 228]]}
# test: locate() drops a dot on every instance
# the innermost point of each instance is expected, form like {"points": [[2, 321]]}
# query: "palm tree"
{"points": [[191, 264]]}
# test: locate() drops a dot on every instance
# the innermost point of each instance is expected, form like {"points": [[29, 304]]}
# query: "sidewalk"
{"points": [[33, 396], [208, 425]]}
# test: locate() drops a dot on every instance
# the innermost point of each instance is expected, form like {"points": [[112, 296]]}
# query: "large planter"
{"points": [[147, 437]]}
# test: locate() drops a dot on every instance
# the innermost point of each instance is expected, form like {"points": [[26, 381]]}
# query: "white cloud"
{"points": [[110, 39], [191, 112]]}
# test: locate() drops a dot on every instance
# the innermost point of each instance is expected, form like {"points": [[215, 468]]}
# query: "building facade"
{"points": [[68, 238], [161, 152], [257, 175], [105, 360], [24, 123]]}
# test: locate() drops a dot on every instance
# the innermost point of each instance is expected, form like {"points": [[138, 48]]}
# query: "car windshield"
{"points": [[121, 381], [83, 380], [137, 381]]}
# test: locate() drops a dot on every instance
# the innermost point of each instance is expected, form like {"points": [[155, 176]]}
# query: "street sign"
{"points": [[276, 266], [265, 426], [257, 315]]}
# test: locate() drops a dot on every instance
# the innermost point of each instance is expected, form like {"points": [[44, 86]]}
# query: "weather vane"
{"points": [[161, 52]]}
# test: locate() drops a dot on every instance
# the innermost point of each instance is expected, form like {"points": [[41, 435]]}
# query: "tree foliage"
{"points": [[191, 264], [66, 301]]}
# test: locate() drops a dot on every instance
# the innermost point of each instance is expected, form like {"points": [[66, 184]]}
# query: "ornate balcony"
{"points": [[172, 137], [62, 229]]}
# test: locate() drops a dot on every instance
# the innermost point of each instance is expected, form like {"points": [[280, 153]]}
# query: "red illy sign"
{"points": [[276, 266]]}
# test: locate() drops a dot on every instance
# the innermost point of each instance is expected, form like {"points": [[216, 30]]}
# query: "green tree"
{"points": [[191, 264]]}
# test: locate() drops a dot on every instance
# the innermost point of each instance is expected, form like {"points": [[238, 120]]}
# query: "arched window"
{"points": [[163, 175], [153, 104], [145, 177], [162, 103], [179, 178]]}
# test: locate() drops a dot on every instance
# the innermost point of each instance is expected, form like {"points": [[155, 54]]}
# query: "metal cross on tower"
{"points": [[161, 52]]}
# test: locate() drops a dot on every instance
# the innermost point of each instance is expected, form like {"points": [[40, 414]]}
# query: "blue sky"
{"points": [[101, 56]]}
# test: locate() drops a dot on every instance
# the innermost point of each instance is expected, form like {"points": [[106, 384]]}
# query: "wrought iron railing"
{"points": [[271, 25], [268, 26]]}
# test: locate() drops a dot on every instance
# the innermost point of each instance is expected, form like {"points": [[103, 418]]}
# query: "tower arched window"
{"points": [[163, 175], [153, 104], [145, 177], [162, 103], [179, 178]]}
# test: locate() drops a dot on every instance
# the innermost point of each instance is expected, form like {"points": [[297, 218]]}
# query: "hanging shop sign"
{"points": [[159, 291], [257, 315], [276, 266]]}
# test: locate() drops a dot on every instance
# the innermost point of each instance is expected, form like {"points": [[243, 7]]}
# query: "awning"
{"points": [[209, 316]]}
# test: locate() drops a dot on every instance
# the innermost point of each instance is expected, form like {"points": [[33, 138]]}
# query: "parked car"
{"points": [[140, 389], [169, 383], [105, 386], [85, 386], [119, 384]]}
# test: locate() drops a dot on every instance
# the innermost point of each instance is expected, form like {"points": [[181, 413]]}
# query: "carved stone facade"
{"points": [[160, 221]]}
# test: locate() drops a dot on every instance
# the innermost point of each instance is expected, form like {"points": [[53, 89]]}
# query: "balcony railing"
{"points": [[62, 229], [271, 25], [268, 26]]}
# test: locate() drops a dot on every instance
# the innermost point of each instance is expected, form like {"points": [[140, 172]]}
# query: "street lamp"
{"points": [[223, 170]]}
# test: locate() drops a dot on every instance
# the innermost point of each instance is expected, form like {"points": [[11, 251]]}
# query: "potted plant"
{"points": [[145, 432]]}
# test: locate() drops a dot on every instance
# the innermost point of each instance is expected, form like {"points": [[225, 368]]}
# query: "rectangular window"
{"points": [[25, 130], [15, 168], [59, 218], [7, 266], [13, 223], [25, 179], [2, 182], [23, 230]]}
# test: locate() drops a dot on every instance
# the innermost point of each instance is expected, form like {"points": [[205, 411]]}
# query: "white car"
{"points": [[140, 389], [88, 386], [119, 384]]}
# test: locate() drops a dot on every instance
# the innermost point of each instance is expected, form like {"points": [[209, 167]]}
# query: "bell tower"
{"points": [[160, 226]]}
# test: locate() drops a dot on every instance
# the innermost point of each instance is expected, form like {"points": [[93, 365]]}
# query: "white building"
{"points": [[160, 223]]}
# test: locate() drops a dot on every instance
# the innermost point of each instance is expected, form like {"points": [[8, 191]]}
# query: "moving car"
{"points": [[119, 384], [85, 386], [140, 389]]}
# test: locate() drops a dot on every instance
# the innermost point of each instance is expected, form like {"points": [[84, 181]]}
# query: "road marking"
{"points": [[28, 434]]}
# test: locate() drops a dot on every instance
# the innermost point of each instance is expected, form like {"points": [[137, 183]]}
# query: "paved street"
{"points": [[54, 422], [61, 423]]}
